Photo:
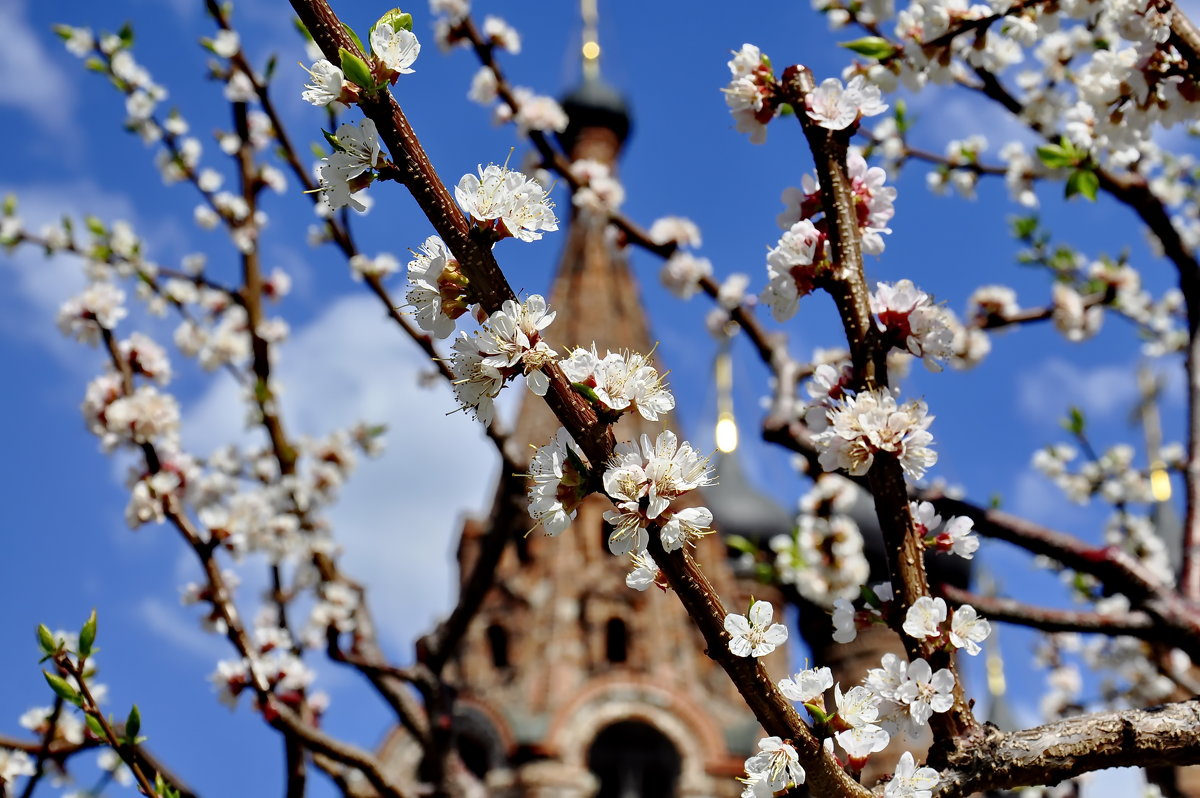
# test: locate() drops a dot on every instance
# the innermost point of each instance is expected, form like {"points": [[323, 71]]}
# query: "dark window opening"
{"points": [[474, 755], [615, 641], [498, 643], [634, 760]]}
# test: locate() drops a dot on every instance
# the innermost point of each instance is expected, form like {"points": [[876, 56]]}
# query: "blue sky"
{"points": [[67, 548]]}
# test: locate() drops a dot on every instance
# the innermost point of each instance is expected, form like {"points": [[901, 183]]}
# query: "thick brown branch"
{"points": [[1133, 624], [1166, 736], [848, 287], [776, 714]]}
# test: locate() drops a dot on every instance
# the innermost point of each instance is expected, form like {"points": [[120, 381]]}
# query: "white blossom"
{"points": [[676, 230], [806, 685], [100, 306], [395, 47], [909, 781], [436, 288], [682, 272], [776, 765], [925, 617], [509, 202], [558, 477], [909, 320], [968, 630], [325, 84], [645, 571], [926, 692], [755, 635], [835, 107], [621, 382], [788, 268], [870, 423]]}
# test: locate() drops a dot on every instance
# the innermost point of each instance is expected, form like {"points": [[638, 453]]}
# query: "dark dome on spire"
{"points": [[738, 508], [594, 103]]}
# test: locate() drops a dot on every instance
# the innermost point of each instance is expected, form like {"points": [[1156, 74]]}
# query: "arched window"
{"points": [[497, 637], [616, 641], [634, 760]]}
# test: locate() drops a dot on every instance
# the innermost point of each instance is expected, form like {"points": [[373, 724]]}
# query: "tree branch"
{"points": [[1163, 736]]}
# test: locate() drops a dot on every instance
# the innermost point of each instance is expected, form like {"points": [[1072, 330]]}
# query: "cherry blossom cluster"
{"points": [[858, 428], [509, 343], [600, 191], [909, 320], [507, 203], [899, 696], [799, 262], [955, 537], [110, 53], [682, 272], [437, 288], [836, 107], [774, 768], [927, 619], [349, 169], [1111, 476], [824, 556], [558, 483], [619, 382], [643, 482], [751, 93]]}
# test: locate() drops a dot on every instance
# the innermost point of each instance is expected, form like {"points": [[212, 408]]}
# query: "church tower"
{"points": [[571, 684]]}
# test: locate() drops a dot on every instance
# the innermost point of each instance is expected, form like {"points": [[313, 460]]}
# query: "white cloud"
{"points": [[167, 621], [959, 114], [1035, 497], [32, 286], [399, 516], [1045, 392], [41, 84]]}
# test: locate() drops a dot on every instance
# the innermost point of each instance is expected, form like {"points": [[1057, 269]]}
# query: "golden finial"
{"points": [[1160, 480], [727, 431], [591, 38]]}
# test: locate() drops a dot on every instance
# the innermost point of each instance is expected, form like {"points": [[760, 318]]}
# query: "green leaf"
{"points": [[869, 596], [87, 635], [95, 226], [871, 46], [354, 38], [1023, 227], [396, 18], [818, 715], [901, 116], [46, 639], [739, 543], [64, 691], [133, 724], [1074, 423], [300, 26], [94, 724], [125, 34], [995, 501], [356, 70], [94, 64], [585, 391], [269, 71], [1084, 183], [1057, 156], [64, 32]]}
